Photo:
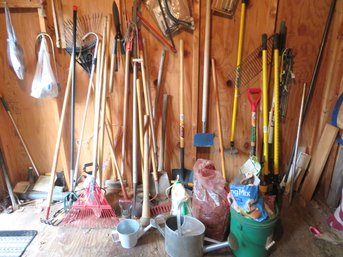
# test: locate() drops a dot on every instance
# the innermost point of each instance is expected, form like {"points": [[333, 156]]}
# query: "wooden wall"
{"points": [[305, 20]]}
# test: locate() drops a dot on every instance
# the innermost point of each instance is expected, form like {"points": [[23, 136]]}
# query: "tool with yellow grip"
{"points": [[232, 149], [263, 186], [276, 106]]}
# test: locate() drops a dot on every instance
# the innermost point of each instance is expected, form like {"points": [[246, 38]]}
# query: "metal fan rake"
{"points": [[84, 49], [251, 65]]}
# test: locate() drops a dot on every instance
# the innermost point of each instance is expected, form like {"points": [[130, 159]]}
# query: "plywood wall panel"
{"points": [[38, 118]]}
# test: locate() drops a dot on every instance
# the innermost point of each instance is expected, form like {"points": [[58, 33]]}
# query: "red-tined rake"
{"points": [[161, 208], [91, 210]]}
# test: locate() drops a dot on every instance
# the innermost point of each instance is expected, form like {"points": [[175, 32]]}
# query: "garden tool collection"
{"points": [[86, 206]]}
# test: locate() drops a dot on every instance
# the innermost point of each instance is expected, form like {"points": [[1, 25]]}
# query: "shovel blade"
{"points": [[203, 140], [184, 175]]}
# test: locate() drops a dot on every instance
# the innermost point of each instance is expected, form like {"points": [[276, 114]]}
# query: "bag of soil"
{"points": [[209, 203]]}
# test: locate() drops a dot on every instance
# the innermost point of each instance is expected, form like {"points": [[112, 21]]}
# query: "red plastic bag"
{"points": [[209, 203]]}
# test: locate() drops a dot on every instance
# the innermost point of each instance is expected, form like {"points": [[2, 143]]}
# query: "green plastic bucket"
{"points": [[252, 238]]}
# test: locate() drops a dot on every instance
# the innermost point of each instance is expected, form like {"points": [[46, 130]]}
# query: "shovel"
{"points": [[182, 173], [205, 139]]}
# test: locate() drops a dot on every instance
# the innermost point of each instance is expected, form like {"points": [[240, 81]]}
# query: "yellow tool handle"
{"points": [[265, 104], [222, 159], [276, 105], [237, 81]]}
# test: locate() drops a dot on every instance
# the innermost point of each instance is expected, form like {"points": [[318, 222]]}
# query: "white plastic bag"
{"points": [[14, 50], [44, 83]]}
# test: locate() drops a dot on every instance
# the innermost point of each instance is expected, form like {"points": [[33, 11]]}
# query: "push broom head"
{"points": [[91, 210]]}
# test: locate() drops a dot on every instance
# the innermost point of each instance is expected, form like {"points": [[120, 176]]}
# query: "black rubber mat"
{"points": [[14, 243]]}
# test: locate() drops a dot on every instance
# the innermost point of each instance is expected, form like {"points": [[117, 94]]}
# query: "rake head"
{"points": [[161, 208], [84, 49], [91, 210]]}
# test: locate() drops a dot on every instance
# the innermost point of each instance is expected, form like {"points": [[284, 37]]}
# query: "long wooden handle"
{"points": [[140, 122], [159, 79], [181, 104], [54, 18], [163, 133], [84, 116], [126, 99], [111, 82], [108, 128], [5, 105], [103, 100], [97, 105], [134, 127], [147, 97], [206, 65], [58, 142], [297, 143], [219, 124], [145, 219]]}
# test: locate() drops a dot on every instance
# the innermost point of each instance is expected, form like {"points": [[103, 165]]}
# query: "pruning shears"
{"points": [[118, 37]]}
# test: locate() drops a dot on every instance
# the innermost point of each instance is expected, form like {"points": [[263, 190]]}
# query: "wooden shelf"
{"points": [[29, 4]]}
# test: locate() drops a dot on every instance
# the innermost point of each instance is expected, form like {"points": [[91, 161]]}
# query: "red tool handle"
{"points": [[254, 101]]}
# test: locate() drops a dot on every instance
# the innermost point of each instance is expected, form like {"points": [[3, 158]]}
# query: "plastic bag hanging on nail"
{"points": [[14, 50], [44, 83]]}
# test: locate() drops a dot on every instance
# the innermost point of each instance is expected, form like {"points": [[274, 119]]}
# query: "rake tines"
{"points": [[91, 210], [251, 65], [84, 49], [161, 208]]}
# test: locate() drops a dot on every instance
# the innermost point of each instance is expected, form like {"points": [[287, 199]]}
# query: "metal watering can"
{"points": [[184, 236]]}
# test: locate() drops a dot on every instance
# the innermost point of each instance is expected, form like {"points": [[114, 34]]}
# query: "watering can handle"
{"points": [[157, 224], [178, 218]]}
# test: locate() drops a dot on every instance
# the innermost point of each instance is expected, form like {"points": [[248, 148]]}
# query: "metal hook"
{"points": [[44, 34]]}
